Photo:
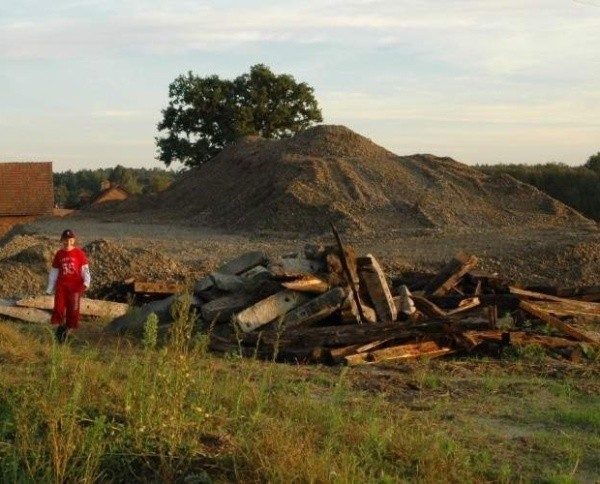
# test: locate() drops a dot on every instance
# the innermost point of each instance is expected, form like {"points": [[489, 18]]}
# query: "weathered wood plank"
{"points": [[564, 309], [373, 278], [428, 308], [87, 307], [31, 315], [269, 309], [568, 292], [429, 349], [348, 272], [307, 283], [584, 306], [550, 320], [451, 274], [505, 302], [465, 305], [524, 293]]}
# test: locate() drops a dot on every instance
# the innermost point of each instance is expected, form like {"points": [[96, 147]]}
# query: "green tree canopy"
{"points": [[206, 113], [593, 163]]}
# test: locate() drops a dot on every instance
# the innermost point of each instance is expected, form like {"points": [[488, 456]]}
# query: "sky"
{"points": [[83, 82]]}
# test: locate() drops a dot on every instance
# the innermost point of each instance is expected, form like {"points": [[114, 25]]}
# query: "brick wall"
{"points": [[26, 189]]}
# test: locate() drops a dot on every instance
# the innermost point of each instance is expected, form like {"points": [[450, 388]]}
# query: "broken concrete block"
{"points": [[315, 309], [135, 319], [221, 310], [269, 309], [236, 266], [256, 274], [227, 282]]}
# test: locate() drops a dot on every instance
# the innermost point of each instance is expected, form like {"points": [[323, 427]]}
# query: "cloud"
{"points": [[448, 30]]}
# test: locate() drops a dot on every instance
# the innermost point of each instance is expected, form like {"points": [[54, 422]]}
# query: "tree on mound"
{"points": [[206, 113]]}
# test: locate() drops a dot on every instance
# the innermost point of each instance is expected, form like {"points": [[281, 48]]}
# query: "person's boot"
{"points": [[61, 334]]}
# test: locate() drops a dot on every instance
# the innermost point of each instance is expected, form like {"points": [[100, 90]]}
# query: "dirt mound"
{"points": [[111, 264], [26, 259], [331, 173]]}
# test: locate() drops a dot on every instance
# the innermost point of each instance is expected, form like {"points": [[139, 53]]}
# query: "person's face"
{"points": [[68, 242]]}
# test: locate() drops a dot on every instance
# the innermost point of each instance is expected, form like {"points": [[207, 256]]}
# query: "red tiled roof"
{"points": [[26, 188]]}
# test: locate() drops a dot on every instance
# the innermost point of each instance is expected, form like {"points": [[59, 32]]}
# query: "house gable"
{"points": [[112, 193]]}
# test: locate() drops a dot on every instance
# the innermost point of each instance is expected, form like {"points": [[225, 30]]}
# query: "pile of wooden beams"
{"points": [[327, 304]]}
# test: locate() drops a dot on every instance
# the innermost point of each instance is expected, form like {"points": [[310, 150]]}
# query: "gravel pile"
{"points": [[26, 259], [328, 173]]}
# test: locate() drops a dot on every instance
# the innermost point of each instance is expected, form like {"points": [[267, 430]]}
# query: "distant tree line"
{"points": [[578, 186], [73, 187]]}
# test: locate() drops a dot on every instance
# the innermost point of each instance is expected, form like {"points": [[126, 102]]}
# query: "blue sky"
{"points": [[83, 82]]}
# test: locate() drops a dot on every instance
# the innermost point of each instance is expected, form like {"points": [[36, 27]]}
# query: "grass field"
{"points": [[102, 409]]}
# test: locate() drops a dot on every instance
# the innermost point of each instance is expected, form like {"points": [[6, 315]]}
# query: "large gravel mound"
{"points": [[330, 173]]}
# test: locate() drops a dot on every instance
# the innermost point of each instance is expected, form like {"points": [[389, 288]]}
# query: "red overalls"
{"points": [[69, 286]]}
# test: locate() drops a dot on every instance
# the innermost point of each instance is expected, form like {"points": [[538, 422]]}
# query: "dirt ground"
{"points": [[542, 257]]}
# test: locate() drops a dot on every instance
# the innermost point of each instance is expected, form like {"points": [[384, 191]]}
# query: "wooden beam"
{"points": [[348, 273], [465, 305], [373, 278], [550, 320], [589, 307], [31, 315], [428, 308], [565, 309], [350, 314], [307, 283], [451, 274], [87, 307], [428, 349]]}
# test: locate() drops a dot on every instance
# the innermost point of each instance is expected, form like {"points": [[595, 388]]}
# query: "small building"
{"points": [[109, 192], [26, 189]]}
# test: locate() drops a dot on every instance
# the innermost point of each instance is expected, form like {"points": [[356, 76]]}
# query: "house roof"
{"points": [[26, 188], [105, 194]]}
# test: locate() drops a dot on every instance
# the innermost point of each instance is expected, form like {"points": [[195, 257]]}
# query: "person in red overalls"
{"points": [[69, 277]]}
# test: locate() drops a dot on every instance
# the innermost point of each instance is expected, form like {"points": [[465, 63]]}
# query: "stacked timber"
{"points": [[330, 305]]}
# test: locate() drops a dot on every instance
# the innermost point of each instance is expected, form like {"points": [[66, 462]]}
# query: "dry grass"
{"points": [[119, 410]]}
